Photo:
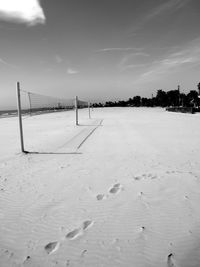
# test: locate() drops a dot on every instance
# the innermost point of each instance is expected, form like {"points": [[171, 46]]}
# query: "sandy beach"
{"points": [[121, 189]]}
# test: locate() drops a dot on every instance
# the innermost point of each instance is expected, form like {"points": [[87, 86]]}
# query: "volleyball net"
{"points": [[29, 104], [33, 103], [82, 104]]}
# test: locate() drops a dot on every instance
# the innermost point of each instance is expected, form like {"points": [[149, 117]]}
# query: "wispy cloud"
{"points": [[2, 61], [186, 57], [131, 61], [58, 59], [72, 71], [167, 6], [119, 49], [22, 11]]}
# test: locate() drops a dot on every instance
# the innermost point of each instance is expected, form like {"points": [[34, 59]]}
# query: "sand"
{"points": [[120, 189]]}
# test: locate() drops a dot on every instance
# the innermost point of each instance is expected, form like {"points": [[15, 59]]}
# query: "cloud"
{"points": [[58, 59], [120, 49], [132, 60], [187, 57], [129, 56], [6, 63], [3, 62], [167, 6], [71, 71], [22, 11]]}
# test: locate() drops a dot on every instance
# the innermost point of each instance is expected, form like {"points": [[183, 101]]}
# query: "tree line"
{"points": [[172, 98]]}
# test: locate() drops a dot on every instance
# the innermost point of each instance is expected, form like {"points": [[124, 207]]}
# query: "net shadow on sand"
{"points": [[52, 153]]}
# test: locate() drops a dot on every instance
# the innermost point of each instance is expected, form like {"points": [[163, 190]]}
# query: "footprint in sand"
{"points": [[28, 259], [79, 231], [137, 178], [141, 230], [170, 260], [100, 197], [87, 224], [115, 189], [83, 252], [74, 234], [8, 253], [145, 176], [52, 247]]}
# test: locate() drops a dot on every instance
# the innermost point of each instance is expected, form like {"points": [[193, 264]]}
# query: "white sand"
{"points": [[129, 196]]}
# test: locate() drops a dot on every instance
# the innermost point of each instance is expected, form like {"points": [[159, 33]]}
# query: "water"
{"points": [[36, 111], [8, 113]]}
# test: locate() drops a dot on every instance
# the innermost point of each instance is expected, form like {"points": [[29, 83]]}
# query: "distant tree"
{"points": [[110, 104], [192, 98], [183, 100], [137, 101], [97, 105], [130, 102], [161, 98], [173, 98], [122, 103], [198, 86], [147, 102]]}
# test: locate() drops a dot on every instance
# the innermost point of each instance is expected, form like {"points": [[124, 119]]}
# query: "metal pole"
{"points": [[89, 110], [20, 117], [29, 98], [76, 109]]}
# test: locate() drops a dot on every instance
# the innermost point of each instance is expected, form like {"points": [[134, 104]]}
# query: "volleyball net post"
{"points": [[19, 111], [29, 99], [89, 114], [76, 109]]}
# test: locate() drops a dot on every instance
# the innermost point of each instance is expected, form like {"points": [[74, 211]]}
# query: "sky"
{"points": [[98, 50]]}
